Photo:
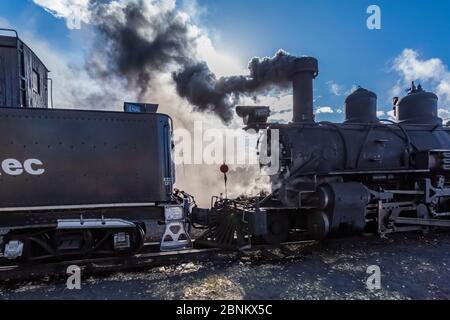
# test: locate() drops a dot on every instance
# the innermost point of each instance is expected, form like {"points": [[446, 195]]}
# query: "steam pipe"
{"points": [[305, 71]]}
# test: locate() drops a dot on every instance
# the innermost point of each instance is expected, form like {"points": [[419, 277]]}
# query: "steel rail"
{"points": [[91, 266]]}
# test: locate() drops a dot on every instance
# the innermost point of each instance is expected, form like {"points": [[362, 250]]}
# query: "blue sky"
{"points": [[333, 31]]}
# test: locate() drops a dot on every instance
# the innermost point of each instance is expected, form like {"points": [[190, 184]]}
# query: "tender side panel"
{"points": [[82, 158]]}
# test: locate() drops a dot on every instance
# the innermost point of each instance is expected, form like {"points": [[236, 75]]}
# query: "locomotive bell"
{"points": [[418, 107], [361, 107]]}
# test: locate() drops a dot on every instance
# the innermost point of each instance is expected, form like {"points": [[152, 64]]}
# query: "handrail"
{"points": [[10, 30]]}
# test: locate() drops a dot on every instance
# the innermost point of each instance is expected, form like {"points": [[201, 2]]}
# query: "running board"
{"points": [[423, 222], [67, 224]]}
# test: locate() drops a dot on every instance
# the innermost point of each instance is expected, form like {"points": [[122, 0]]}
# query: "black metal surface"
{"points": [[253, 115], [357, 160], [9, 72], [363, 147], [424, 222], [89, 157], [361, 107], [258, 222], [348, 207], [418, 106], [23, 76], [134, 107], [306, 71]]}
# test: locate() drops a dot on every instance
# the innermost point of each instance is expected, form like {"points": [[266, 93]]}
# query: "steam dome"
{"points": [[418, 107], [361, 107]]}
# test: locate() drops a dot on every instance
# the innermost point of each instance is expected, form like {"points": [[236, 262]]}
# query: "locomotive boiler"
{"points": [[364, 175]]}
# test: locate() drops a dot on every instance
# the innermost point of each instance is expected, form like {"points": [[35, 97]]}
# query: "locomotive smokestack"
{"points": [[305, 71]]}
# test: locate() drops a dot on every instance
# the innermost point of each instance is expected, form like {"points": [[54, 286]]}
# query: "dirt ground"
{"points": [[412, 267]]}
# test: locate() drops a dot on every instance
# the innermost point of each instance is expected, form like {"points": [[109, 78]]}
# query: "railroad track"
{"points": [[146, 259]]}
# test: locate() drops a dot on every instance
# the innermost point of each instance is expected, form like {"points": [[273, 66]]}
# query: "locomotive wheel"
{"points": [[318, 225], [278, 226], [139, 239]]}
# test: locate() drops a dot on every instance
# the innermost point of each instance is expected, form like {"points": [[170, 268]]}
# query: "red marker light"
{"points": [[224, 169]]}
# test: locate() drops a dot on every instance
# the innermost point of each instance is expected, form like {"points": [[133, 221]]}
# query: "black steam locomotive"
{"points": [[83, 183], [363, 175]]}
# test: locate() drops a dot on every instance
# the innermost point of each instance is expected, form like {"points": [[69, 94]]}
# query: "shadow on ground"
{"points": [[412, 267]]}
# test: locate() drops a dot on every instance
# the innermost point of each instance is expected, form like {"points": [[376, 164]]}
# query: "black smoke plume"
{"points": [[135, 46], [138, 47], [202, 88]]}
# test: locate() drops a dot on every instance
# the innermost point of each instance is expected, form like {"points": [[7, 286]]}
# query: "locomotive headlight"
{"points": [[174, 213]]}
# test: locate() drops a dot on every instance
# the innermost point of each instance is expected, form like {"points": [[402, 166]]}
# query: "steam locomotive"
{"points": [[365, 175], [85, 183]]}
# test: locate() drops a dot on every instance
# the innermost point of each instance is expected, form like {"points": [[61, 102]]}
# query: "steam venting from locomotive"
{"points": [[138, 46]]}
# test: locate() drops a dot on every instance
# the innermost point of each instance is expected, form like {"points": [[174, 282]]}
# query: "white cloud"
{"points": [[391, 115], [66, 8], [339, 90], [432, 73], [324, 110], [280, 105], [397, 89], [193, 9], [352, 89], [443, 89], [219, 63], [412, 68], [380, 113], [444, 114], [335, 88]]}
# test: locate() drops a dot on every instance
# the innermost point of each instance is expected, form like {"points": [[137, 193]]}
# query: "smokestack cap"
{"points": [[306, 64]]}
